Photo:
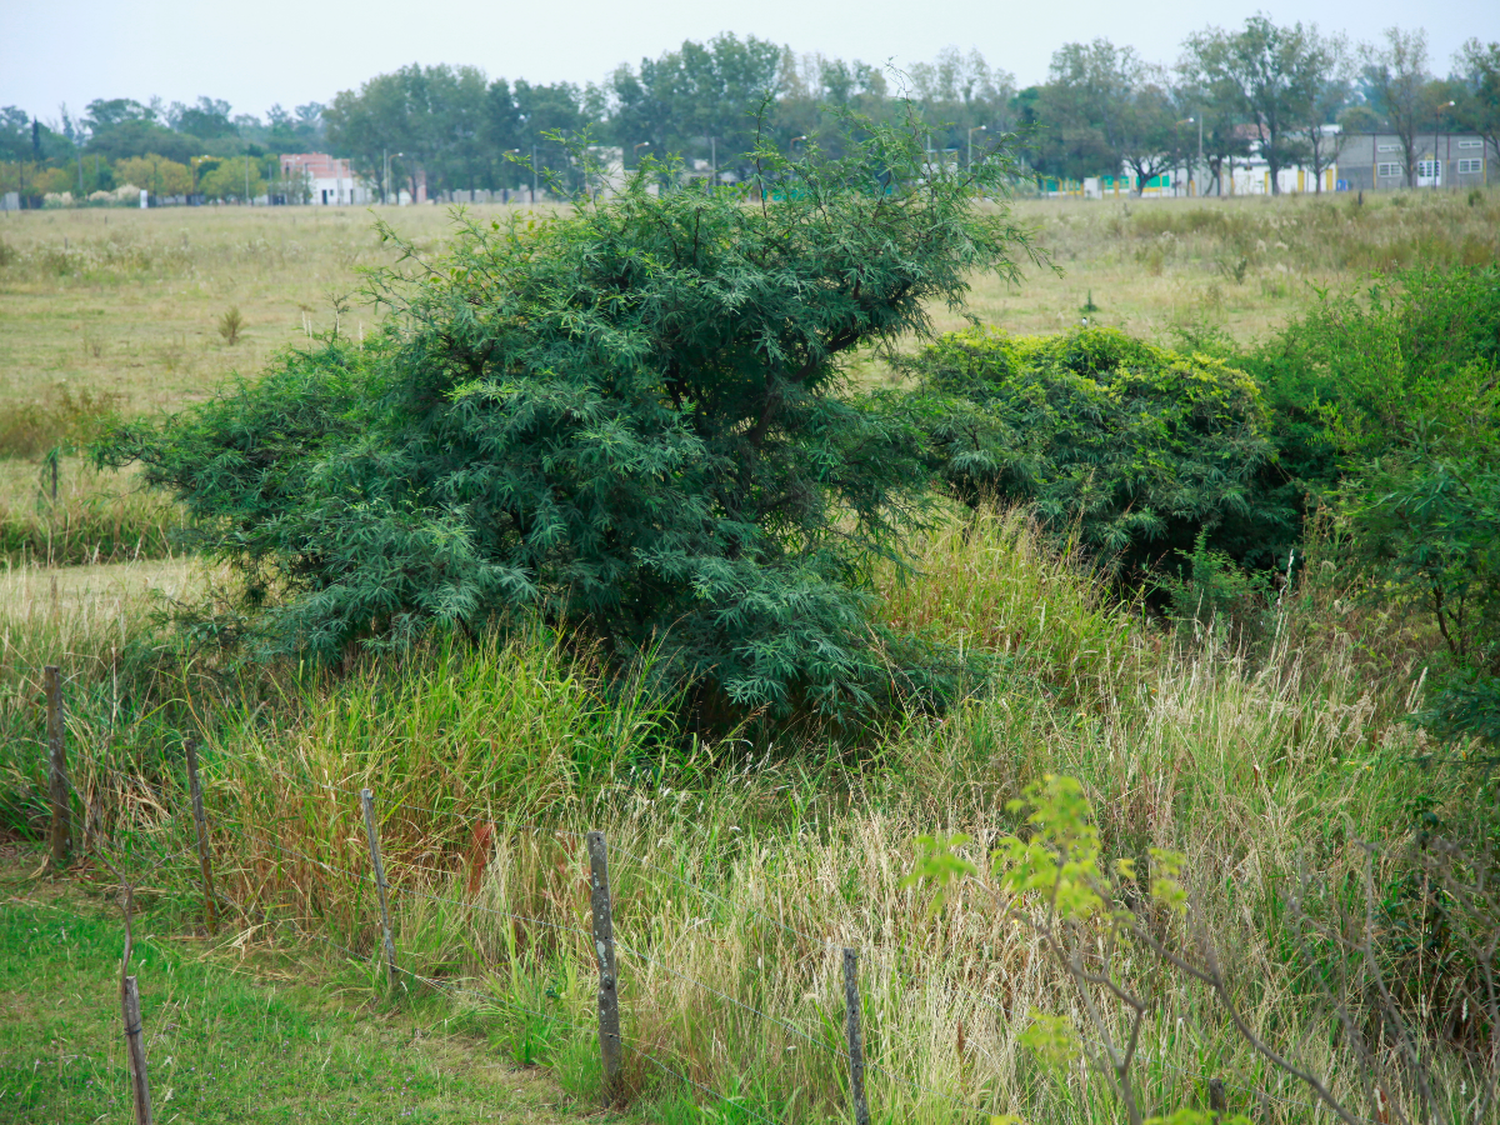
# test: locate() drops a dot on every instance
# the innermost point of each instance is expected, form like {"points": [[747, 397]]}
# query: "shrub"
{"points": [[1132, 448], [626, 418]]}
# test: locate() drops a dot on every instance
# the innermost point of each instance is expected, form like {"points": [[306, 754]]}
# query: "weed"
{"points": [[231, 324]]}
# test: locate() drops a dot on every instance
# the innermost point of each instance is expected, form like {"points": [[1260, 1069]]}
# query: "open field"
{"points": [[129, 303], [125, 310]]}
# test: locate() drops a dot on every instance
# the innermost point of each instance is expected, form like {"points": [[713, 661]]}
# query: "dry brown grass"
{"points": [[1244, 265], [130, 302]]}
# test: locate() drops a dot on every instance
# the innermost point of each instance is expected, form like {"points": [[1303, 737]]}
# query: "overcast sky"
{"points": [[265, 51]]}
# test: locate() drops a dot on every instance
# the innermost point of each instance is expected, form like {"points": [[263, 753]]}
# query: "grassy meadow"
{"points": [[1283, 770]]}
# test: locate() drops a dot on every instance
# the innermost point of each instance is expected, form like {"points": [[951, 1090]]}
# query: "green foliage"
{"points": [[56, 417], [231, 324], [626, 418], [1134, 449], [1385, 406], [1427, 529], [1364, 373]]}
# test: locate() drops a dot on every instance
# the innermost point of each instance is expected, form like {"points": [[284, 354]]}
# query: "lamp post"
{"points": [[792, 145], [385, 182], [1437, 164], [635, 152], [976, 129], [1198, 167]]}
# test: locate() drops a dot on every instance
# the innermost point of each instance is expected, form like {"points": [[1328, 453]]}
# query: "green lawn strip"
{"points": [[220, 1046]]}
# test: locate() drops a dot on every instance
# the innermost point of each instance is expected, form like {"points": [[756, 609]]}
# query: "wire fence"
{"points": [[842, 1054]]}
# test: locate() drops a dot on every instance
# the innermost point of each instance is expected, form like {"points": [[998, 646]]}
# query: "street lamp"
{"points": [[1198, 167], [976, 129], [635, 152], [384, 184], [792, 145], [1437, 165]]}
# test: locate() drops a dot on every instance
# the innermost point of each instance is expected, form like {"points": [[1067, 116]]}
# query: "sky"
{"points": [[296, 51]]}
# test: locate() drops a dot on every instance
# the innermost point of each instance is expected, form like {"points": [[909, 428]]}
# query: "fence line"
{"points": [[160, 792]]}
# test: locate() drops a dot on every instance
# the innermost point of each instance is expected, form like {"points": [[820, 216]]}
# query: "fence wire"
{"points": [[618, 854]]}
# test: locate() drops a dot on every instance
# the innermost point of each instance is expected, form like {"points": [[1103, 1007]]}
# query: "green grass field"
{"points": [[233, 1034]]}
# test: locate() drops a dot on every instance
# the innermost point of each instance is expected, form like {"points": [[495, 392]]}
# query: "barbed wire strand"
{"points": [[616, 852], [368, 877]]}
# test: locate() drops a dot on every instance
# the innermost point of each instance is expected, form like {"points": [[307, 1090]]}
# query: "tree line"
{"points": [[1287, 92]]}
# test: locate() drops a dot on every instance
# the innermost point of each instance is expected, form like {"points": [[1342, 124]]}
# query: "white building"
{"points": [[323, 181]]}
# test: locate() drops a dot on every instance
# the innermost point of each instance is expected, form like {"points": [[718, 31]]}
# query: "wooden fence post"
{"points": [[604, 950], [856, 1041], [367, 799], [57, 754], [130, 1004], [200, 823], [130, 1008]]}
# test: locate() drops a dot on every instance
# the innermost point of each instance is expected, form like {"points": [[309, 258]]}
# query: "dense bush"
{"points": [[626, 418], [1385, 407], [1134, 449], [1366, 373]]}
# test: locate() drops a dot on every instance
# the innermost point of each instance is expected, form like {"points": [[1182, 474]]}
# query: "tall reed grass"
{"points": [[741, 869]]}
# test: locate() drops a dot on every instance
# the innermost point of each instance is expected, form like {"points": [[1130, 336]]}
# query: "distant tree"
{"points": [[154, 172], [961, 92], [1278, 73], [812, 90], [500, 133], [1329, 97], [1151, 128], [1214, 101], [139, 136], [1479, 103], [237, 179], [434, 116], [208, 119], [699, 100], [546, 113], [106, 113], [15, 134], [1103, 107], [1397, 77]]}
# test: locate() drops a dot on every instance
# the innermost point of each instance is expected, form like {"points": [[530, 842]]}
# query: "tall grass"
{"points": [[57, 508], [91, 520], [740, 870]]}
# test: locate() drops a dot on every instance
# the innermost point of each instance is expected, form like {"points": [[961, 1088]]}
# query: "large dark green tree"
{"points": [[627, 419]]}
